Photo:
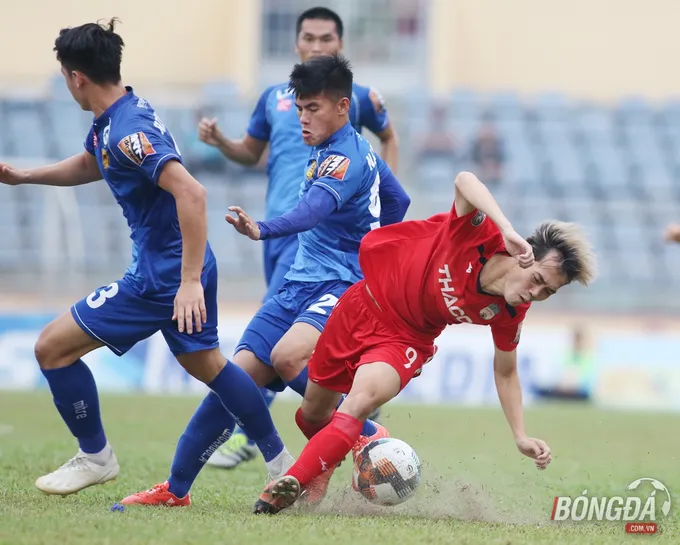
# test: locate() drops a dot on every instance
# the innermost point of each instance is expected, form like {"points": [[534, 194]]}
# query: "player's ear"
{"points": [[343, 106]]}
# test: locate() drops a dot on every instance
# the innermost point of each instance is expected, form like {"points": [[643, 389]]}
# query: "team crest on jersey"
{"points": [[519, 333], [284, 104], [489, 312], [334, 166], [136, 147], [105, 159], [478, 219], [377, 100], [105, 134], [310, 171]]}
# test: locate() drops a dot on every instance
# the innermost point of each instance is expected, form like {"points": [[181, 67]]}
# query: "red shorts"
{"points": [[357, 333]]}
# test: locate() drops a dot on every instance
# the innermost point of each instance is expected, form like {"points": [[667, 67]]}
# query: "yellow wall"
{"points": [[592, 48], [599, 49], [170, 41]]}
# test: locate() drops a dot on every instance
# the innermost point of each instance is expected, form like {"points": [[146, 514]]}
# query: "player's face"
{"points": [[320, 117], [317, 37], [74, 82], [536, 283]]}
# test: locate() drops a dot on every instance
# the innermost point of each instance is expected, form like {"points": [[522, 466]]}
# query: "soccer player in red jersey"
{"points": [[465, 266]]}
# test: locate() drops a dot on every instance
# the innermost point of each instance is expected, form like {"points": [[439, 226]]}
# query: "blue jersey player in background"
{"points": [[171, 285], [347, 191], [319, 31]]}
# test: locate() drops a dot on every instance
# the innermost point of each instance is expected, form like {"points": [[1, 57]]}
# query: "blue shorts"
{"points": [[279, 256], [308, 302], [118, 316]]}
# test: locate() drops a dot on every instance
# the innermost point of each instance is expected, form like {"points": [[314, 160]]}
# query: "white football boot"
{"points": [[79, 472]]}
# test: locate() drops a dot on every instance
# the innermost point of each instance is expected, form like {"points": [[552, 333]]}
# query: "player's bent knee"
{"points": [[61, 343], [289, 361], [374, 385], [261, 373], [203, 365]]}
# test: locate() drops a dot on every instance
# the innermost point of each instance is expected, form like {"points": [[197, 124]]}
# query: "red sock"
{"points": [[327, 448], [310, 429]]}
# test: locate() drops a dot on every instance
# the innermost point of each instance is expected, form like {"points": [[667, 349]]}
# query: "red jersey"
{"points": [[425, 275]]}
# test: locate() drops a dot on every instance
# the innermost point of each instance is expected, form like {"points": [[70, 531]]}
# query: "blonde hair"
{"points": [[569, 241]]}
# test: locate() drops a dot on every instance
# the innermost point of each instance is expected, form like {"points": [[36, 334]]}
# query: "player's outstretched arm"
{"points": [[470, 195], [247, 151], [316, 205], [190, 196], [510, 395], [389, 147], [77, 170]]}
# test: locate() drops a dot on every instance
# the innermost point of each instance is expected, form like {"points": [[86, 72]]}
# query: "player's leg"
{"points": [[279, 255], [110, 316], [234, 392], [291, 354], [373, 385]]}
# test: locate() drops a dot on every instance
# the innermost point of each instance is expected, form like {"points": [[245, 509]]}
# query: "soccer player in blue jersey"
{"points": [[347, 191], [319, 31], [171, 285]]}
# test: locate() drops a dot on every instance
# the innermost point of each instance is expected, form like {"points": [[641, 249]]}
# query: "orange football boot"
{"points": [[158, 495]]}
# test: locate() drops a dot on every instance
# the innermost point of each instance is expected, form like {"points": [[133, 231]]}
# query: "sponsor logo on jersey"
{"points": [[518, 334], [489, 312], [105, 159], [334, 166], [377, 100], [450, 299], [95, 140], [310, 171], [106, 133], [136, 147], [478, 219]]}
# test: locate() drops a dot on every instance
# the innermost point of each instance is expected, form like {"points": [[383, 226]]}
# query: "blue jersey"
{"points": [[345, 166], [275, 121], [132, 145]]}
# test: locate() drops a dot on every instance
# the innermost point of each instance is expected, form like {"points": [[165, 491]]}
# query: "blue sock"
{"points": [[75, 396], [269, 397], [209, 427], [242, 398], [299, 383]]}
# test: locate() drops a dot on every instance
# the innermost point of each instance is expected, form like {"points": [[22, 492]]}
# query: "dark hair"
{"points": [[93, 49], [324, 14], [574, 253], [330, 75]]}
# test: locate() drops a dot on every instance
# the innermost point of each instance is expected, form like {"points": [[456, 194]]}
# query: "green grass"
{"points": [[476, 488]]}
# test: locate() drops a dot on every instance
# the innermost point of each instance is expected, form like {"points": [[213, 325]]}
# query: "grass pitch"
{"points": [[476, 487]]}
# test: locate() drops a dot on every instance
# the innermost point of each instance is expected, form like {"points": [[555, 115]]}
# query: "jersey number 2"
{"points": [[328, 301], [97, 299]]}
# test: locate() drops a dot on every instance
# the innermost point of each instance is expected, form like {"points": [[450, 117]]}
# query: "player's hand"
{"points": [[190, 310], [536, 449], [518, 248], [12, 176], [242, 223], [208, 131], [672, 233]]}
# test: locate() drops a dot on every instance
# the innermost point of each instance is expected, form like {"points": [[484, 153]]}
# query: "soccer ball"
{"points": [[386, 472]]}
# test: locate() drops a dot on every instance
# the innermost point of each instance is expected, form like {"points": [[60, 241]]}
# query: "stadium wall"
{"points": [[167, 41], [598, 50], [635, 362]]}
